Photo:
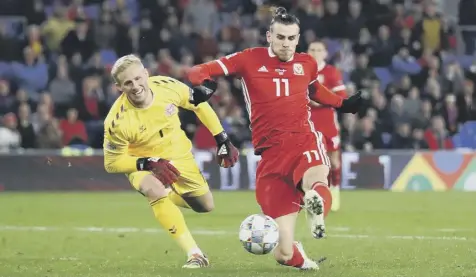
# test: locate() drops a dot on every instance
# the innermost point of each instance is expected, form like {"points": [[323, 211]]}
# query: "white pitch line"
{"points": [[93, 229]]}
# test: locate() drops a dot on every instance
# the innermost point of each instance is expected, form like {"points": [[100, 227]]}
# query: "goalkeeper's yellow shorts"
{"points": [[190, 183]]}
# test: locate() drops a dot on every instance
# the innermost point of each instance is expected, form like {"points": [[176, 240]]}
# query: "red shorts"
{"points": [[332, 142], [281, 169], [329, 127]]}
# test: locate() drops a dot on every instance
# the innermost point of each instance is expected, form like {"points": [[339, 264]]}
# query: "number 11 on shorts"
{"points": [[311, 154]]}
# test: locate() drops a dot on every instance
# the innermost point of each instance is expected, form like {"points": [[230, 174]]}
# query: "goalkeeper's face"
{"points": [[283, 40], [133, 82]]}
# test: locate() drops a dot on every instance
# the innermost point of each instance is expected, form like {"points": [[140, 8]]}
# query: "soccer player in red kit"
{"points": [[325, 117], [277, 85]]}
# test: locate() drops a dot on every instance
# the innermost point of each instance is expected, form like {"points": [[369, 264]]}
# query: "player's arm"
{"points": [[117, 159], [224, 66], [201, 76], [336, 85], [324, 96], [226, 152]]}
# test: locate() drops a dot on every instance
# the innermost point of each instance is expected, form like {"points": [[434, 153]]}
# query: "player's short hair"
{"points": [[283, 17], [122, 63]]}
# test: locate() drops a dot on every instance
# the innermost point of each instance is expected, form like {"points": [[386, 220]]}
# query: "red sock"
{"points": [[297, 260], [323, 190], [336, 176]]}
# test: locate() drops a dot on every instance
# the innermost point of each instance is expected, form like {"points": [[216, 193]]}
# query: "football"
{"points": [[259, 234]]}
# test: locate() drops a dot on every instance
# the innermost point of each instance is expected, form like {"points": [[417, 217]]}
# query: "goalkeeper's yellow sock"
{"points": [[178, 200], [171, 219]]}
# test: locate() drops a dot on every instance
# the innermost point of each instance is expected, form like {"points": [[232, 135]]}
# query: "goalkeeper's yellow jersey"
{"points": [[154, 131]]}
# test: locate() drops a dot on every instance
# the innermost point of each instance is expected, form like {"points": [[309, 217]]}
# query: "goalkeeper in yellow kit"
{"points": [[143, 139]]}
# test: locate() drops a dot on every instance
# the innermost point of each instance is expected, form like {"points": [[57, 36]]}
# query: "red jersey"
{"points": [[330, 77], [275, 92]]}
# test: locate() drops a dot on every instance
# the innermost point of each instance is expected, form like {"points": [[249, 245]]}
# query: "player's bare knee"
{"points": [[152, 188], [207, 207], [204, 207], [315, 174], [200, 204]]}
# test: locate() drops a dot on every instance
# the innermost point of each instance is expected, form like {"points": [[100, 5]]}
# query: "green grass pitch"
{"points": [[376, 234]]}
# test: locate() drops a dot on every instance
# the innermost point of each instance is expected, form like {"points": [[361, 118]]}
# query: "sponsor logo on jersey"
{"points": [[298, 69], [280, 71], [263, 69], [111, 146], [170, 110]]}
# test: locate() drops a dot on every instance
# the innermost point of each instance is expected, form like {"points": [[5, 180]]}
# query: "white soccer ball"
{"points": [[259, 234]]}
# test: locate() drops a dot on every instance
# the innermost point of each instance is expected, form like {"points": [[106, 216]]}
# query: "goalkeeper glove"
{"points": [[351, 104], [227, 154], [203, 92], [162, 169]]}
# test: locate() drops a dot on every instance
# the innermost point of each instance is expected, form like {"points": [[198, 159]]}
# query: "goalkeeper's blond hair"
{"points": [[122, 64]]}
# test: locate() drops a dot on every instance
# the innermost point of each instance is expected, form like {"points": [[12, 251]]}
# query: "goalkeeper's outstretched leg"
{"points": [[171, 219]]}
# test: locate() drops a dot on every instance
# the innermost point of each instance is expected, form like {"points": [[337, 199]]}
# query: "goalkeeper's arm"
{"points": [[116, 160], [116, 157]]}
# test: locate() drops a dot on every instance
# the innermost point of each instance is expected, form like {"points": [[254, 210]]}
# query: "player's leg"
{"points": [[280, 201], [166, 212], [312, 173], [192, 186], [332, 142], [335, 178], [177, 199], [200, 204]]}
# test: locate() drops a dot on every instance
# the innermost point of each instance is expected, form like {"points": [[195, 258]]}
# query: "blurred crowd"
{"points": [[55, 58]]}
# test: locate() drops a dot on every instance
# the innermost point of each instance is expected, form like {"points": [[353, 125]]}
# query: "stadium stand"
{"points": [[416, 64]]}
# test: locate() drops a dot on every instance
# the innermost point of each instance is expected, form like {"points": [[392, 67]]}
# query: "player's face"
{"points": [[283, 40], [318, 51], [133, 82]]}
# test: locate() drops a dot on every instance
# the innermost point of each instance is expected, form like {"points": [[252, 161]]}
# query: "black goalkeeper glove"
{"points": [[227, 154], [351, 104], [203, 92]]}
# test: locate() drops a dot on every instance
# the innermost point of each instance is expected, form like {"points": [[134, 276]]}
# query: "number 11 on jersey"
{"points": [[277, 82]]}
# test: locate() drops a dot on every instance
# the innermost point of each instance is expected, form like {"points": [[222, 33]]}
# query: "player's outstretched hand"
{"points": [[161, 168], [227, 154], [203, 92], [351, 104]]}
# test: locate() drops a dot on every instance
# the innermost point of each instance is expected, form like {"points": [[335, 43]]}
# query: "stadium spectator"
{"points": [[419, 142], [41, 117], [25, 127], [56, 28], [49, 136], [63, 90], [73, 129], [31, 73], [6, 98], [468, 21], [79, 40], [9, 135], [367, 137], [362, 75], [404, 54], [437, 136]]}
